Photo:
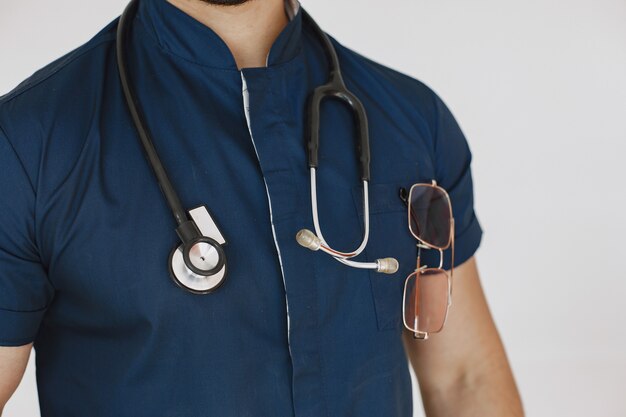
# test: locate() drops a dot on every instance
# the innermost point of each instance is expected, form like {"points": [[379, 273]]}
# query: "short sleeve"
{"points": [[25, 291], [453, 172]]}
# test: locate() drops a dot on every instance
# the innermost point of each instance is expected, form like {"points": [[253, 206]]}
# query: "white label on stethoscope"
{"points": [[205, 223]]}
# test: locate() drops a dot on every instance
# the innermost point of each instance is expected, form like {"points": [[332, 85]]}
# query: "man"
{"points": [[85, 232]]}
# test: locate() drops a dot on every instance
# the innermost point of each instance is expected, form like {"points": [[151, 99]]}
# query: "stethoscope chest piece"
{"points": [[199, 266], [185, 278]]}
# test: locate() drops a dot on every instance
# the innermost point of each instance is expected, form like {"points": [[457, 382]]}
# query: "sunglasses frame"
{"points": [[420, 269]]}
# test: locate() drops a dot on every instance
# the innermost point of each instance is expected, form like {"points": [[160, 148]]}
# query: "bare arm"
{"points": [[13, 361], [463, 370]]}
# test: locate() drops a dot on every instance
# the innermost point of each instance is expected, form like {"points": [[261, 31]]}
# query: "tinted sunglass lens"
{"points": [[429, 210]]}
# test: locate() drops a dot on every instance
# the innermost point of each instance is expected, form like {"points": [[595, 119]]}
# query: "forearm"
{"points": [[13, 361], [464, 371], [486, 392]]}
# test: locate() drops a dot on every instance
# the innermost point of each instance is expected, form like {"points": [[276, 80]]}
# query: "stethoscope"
{"points": [[198, 263]]}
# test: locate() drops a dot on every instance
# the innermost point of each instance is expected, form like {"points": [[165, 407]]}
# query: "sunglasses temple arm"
{"points": [[452, 255]]}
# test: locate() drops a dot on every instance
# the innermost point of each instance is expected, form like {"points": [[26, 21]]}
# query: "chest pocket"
{"points": [[389, 237]]}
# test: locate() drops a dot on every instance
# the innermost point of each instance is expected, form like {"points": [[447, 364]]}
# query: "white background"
{"points": [[538, 88]]}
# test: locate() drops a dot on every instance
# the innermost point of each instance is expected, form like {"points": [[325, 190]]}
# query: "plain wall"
{"points": [[539, 89]]}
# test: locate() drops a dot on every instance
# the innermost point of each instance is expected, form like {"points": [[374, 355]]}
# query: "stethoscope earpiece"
{"points": [[387, 265], [307, 238]]}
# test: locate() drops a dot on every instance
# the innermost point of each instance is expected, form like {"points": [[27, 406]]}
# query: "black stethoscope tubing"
{"points": [[171, 195], [334, 88]]}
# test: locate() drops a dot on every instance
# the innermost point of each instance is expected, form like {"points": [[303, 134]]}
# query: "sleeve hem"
{"points": [[465, 244], [18, 342], [19, 328]]}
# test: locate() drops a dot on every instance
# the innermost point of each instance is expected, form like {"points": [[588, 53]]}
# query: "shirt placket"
{"points": [[268, 103]]}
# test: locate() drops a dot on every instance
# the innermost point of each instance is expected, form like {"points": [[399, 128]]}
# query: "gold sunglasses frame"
{"points": [[420, 269]]}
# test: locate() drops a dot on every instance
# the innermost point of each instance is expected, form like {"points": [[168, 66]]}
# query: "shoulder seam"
{"points": [[69, 58]]}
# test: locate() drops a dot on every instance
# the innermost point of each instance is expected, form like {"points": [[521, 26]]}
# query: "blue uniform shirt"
{"points": [[85, 232]]}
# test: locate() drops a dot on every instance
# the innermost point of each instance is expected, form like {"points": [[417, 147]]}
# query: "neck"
{"points": [[249, 29]]}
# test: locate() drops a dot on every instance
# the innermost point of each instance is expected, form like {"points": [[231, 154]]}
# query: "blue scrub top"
{"points": [[85, 232]]}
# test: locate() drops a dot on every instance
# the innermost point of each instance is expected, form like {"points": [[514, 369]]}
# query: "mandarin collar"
{"points": [[180, 34]]}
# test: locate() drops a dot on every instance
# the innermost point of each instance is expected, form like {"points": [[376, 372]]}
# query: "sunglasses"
{"points": [[428, 291]]}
